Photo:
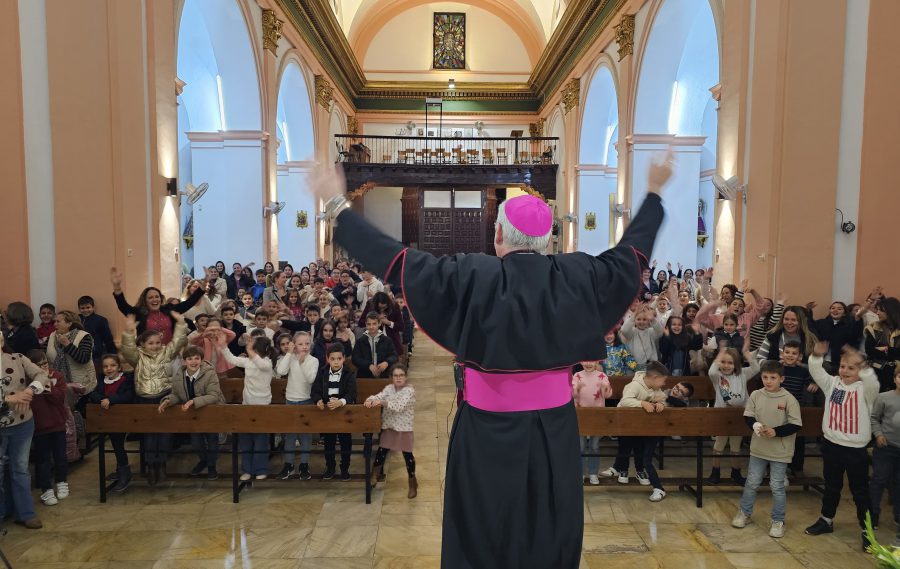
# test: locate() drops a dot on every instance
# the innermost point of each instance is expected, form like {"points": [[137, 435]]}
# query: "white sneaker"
{"points": [[657, 495], [642, 478], [262, 476], [740, 520], [594, 480], [49, 499], [245, 477], [777, 529], [610, 472], [62, 490], [623, 478]]}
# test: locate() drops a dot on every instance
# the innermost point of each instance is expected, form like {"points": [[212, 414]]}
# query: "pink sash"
{"points": [[508, 392]]}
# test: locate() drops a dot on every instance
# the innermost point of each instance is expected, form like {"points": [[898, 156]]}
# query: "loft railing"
{"points": [[429, 150]]}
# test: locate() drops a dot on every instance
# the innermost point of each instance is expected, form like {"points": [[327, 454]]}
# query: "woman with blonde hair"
{"points": [[70, 350]]}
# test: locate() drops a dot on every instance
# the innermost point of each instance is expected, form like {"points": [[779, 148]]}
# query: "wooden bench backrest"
{"points": [[618, 421], [233, 419], [703, 389], [233, 389]]}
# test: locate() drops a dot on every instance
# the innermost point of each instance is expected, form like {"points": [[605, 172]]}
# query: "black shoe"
{"points": [[213, 474], [345, 476], [736, 476], [328, 474], [199, 468], [303, 472], [715, 476], [286, 471], [820, 527], [123, 479], [112, 477]]}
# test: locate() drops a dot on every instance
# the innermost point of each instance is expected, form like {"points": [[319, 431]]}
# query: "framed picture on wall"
{"points": [[420, 132], [430, 133]]}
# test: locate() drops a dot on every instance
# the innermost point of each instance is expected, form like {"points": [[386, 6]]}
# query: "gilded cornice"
{"points": [[271, 27], [582, 23]]}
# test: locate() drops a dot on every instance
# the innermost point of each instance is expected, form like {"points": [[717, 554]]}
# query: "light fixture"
{"points": [[451, 84], [194, 193], [619, 210], [847, 227], [172, 186], [274, 208], [730, 188], [571, 218]]}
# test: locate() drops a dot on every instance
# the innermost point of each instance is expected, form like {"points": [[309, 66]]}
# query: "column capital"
{"points": [[625, 35], [571, 93], [271, 28], [324, 91]]}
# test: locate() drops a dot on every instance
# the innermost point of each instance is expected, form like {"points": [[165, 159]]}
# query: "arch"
{"points": [[679, 62], [600, 118], [337, 124], [294, 123], [372, 16]]}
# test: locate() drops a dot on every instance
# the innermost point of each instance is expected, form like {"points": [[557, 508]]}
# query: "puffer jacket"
{"points": [[206, 388], [151, 371]]}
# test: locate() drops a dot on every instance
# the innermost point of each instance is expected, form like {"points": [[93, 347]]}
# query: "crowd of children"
{"points": [[321, 328]]}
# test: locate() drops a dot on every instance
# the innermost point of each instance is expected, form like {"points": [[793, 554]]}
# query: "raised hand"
{"points": [[177, 316], [660, 172], [116, 277], [820, 349], [326, 182], [130, 324]]}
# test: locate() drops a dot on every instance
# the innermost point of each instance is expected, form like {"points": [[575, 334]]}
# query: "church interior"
{"points": [[163, 137]]}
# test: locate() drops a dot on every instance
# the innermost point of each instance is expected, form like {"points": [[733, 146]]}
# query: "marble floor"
{"points": [[188, 524]]}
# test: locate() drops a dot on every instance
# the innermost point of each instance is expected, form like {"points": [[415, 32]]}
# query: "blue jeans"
{"points": [[206, 445], [15, 445], [290, 440], [755, 473], [590, 464], [255, 449]]}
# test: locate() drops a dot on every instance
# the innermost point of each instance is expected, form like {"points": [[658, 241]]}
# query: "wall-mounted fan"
{"points": [[194, 193], [274, 208]]}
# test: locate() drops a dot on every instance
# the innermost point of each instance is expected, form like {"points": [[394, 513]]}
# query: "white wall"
{"points": [[403, 47], [594, 189], [383, 208], [296, 245]]}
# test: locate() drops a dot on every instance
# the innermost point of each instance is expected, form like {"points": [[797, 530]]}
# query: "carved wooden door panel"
{"points": [[437, 231], [468, 236]]}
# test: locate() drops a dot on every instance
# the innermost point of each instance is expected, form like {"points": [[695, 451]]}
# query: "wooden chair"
{"points": [[410, 155], [401, 156], [441, 155], [386, 158], [472, 155], [502, 157], [456, 156], [420, 157], [487, 156], [523, 157]]}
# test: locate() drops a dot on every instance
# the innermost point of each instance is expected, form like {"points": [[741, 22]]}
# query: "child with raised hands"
{"points": [[619, 360], [847, 429], [591, 388], [729, 380], [641, 333], [301, 368]]}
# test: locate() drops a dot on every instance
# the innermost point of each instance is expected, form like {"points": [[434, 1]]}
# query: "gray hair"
{"points": [[515, 239]]}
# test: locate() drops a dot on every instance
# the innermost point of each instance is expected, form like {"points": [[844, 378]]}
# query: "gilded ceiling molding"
{"points": [[324, 91], [625, 36], [352, 125], [571, 93], [271, 28]]}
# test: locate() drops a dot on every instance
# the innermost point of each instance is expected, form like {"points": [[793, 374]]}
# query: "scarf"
{"points": [[61, 363]]}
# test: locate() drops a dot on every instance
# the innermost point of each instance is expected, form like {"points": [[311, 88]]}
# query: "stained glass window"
{"points": [[449, 40]]}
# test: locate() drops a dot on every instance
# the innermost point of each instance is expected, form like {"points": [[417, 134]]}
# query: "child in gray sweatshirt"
{"points": [[886, 455]]}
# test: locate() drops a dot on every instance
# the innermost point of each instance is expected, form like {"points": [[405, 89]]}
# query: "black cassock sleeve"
{"points": [[521, 313]]}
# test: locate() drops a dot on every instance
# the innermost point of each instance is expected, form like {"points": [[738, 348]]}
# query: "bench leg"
{"points": [[101, 445], [699, 472], [235, 482], [367, 456]]}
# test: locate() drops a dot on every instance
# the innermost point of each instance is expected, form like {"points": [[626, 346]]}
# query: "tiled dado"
{"points": [[326, 525]]}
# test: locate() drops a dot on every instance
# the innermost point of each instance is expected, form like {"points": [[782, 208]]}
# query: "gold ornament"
{"points": [[324, 91], [625, 36], [360, 191], [590, 221], [271, 26], [571, 94], [302, 219]]}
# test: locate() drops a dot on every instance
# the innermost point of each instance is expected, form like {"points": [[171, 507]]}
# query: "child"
{"points": [[211, 340], [152, 382], [327, 337], [260, 286], [50, 415], [680, 394], [729, 380], [247, 310], [644, 391], [196, 386], [335, 386], [116, 388], [641, 333], [728, 336], [847, 430], [676, 344], [408, 324], [47, 314], [261, 322], [231, 322], [300, 368], [98, 327], [345, 334], [200, 322], [399, 401], [886, 456], [619, 360], [313, 318], [774, 416], [374, 351], [591, 388], [259, 366], [798, 383]]}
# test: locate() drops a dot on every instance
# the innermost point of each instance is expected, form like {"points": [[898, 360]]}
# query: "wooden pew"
{"points": [[703, 389], [233, 389], [697, 422], [235, 419]]}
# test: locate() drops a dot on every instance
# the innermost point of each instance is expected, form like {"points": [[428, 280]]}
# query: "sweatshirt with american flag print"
{"points": [[846, 420]]}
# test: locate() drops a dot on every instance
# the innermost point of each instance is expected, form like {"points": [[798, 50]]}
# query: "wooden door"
{"points": [[452, 221]]}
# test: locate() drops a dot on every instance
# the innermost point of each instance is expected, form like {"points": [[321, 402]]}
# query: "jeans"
{"points": [[290, 440], [627, 446], [50, 459], [255, 449], [590, 464], [206, 445], [346, 442], [756, 470], [885, 473], [836, 460], [155, 446], [15, 444], [118, 444], [649, 448], [799, 457]]}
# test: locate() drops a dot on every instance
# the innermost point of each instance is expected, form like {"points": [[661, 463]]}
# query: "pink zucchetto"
{"points": [[530, 215]]}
